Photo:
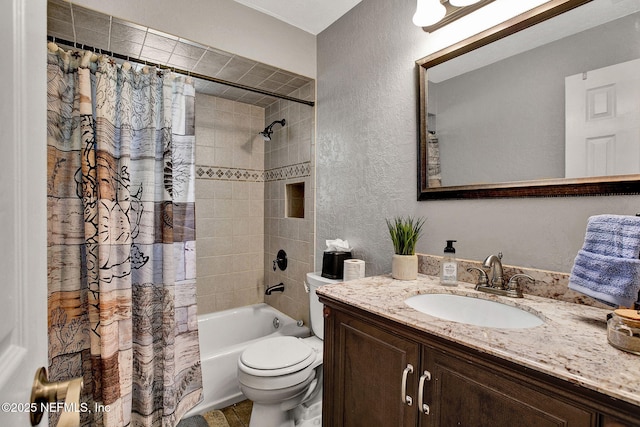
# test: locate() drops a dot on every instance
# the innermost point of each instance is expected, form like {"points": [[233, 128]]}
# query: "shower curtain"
{"points": [[434, 177], [121, 239]]}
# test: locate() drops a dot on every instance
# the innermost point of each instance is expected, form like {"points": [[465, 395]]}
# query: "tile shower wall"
{"points": [[229, 203], [240, 202], [289, 159]]}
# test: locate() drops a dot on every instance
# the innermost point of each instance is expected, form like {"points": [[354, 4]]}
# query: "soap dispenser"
{"points": [[449, 268]]}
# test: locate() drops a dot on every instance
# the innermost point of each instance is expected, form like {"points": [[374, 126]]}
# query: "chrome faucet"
{"points": [[495, 264], [513, 289], [482, 278], [496, 284]]}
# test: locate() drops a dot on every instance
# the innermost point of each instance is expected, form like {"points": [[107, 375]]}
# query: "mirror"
{"points": [[483, 133]]}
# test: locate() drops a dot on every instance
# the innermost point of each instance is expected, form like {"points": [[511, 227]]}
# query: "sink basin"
{"points": [[473, 311]]}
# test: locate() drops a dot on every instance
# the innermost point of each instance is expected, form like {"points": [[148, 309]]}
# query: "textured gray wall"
{"points": [[366, 158]]}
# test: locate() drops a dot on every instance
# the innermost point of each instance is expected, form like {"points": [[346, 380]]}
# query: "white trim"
{"points": [[23, 206]]}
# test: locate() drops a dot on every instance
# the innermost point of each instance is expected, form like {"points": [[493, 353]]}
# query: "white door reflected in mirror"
{"points": [[602, 121]]}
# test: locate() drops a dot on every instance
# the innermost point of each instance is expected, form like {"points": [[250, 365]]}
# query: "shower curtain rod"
{"points": [[180, 71]]}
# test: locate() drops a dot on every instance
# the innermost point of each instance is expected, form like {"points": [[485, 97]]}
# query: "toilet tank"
{"points": [[314, 281]]}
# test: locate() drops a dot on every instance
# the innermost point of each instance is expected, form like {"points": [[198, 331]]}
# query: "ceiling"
{"points": [[312, 16], [74, 23]]}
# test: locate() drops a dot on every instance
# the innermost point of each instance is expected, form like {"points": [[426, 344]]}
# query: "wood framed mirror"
{"points": [[462, 150]]}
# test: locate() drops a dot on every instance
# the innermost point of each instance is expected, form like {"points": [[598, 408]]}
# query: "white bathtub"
{"points": [[223, 337]]}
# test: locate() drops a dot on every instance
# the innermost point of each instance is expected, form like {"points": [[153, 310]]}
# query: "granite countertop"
{"points": [[571, 344]]}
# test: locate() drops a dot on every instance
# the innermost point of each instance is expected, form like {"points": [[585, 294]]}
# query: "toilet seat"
{"points": [[277, 356], [292, 362]]}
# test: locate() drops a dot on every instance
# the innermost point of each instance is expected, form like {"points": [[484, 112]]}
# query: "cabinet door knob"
{"points": [[424, 408], [405, 397]]}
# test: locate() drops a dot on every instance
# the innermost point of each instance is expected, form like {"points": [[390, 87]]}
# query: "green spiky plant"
{"points": [[405, 233]]}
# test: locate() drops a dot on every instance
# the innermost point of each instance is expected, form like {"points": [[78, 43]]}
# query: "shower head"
{"points": [[266, 133]]}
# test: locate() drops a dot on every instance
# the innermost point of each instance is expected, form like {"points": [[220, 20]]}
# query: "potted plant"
{"points": [[405, 233]]}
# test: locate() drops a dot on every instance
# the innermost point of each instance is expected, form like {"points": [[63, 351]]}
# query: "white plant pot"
{"points": [[404, 267]]}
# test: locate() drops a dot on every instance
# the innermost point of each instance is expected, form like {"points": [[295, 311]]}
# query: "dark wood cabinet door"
{"points": [[466, 393], [363, 379]]}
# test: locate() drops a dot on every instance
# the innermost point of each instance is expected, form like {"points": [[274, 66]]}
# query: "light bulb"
{"points": [[428, 12], [462, 3]]}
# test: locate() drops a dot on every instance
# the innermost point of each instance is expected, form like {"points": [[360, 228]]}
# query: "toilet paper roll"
{"points": [[353, 269]]}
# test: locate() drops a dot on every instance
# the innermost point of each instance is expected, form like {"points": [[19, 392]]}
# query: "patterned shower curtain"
{"points": [[434, 176], [121, 239]]}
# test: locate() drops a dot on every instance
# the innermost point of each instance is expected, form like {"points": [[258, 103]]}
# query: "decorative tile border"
{"points": [[286, 172], [229, 174], [253, 175]]}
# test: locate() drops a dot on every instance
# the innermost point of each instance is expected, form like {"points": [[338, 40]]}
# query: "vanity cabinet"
{"points": [[376, 372], [464, 392], [364, 374]]}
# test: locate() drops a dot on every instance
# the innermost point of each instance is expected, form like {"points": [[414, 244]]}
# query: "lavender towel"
{"points": [[607, 267]]}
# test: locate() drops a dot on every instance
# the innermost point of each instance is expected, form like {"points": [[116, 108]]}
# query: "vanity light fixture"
{"points": [[434, 14], [462, 3], [428, 12]]}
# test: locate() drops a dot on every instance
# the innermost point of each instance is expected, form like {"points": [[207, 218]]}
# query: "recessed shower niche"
{"points": [[294, 200]]}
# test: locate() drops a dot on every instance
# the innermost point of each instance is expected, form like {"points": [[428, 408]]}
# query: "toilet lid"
{"points": [[277, 353]]}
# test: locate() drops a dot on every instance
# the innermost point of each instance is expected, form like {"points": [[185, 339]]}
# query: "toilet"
{"points": [[283, 375]]}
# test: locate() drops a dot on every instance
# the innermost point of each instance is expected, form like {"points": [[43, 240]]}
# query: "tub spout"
{"points": [[275, 288]]}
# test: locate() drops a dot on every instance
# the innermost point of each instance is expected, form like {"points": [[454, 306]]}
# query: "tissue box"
{"points": [[333, 264]]}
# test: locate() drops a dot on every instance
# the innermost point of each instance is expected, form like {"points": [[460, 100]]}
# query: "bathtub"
{"points": [[223, 337]]}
